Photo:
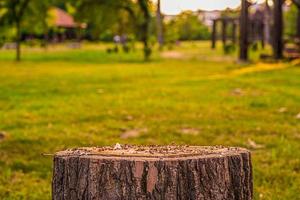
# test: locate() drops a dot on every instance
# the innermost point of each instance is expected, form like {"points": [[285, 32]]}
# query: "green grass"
{"points": [[68, 98]]}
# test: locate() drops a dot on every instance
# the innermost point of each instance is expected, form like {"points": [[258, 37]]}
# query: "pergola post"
{"points": [[213, 35], [234, 25], [262, 35], [224, 31], [278, 30], [244, 19]]}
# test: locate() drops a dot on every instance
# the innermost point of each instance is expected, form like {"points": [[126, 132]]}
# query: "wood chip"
{"points": [[117, 147]]}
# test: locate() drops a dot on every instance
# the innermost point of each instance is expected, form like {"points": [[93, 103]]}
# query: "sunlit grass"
{"points": [[86, 97]]}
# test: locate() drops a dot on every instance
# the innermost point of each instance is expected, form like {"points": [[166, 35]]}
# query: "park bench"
{"points": [[74, 45], [291, 52]]}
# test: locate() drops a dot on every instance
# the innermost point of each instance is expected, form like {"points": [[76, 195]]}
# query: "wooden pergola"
{"points": [[251, 29], [278, 28], [225, 21]]}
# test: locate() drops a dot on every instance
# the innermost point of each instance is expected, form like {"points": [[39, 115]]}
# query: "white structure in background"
{"points": [[207, 17]]}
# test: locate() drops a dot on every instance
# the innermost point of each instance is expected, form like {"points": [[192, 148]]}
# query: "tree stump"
{"points": [[153, 172]]}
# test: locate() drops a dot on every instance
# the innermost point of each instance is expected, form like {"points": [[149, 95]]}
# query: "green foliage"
{"points": [[104, 24], [290, 21], [186, 26], [229, 48]]}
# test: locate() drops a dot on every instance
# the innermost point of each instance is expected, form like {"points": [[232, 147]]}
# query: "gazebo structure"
{"points": [[60, 19], [277, 34], [225, 21]]}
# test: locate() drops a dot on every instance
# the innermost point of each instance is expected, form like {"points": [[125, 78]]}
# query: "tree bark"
{"points": [[165, 173]]}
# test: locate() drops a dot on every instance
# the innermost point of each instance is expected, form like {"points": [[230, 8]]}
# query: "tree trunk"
{"points": [[145, 26], [278, 27], [166, 173], [267, 21], [160, 36], [46, 31], [244, 23], [18, 41]]}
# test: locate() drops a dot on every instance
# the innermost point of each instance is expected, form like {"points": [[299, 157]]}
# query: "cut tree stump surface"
{"points": [[153, 172]]}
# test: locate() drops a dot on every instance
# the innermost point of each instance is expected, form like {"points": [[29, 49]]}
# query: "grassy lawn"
{"points": [[191, 95]]}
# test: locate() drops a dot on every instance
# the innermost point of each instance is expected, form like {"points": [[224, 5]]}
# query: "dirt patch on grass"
{"points": [[173, 55]]}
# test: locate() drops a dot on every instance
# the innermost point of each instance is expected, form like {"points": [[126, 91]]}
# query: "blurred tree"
{"points": [[14, 14], [38, 14], [145, 26], [186, 26], [159, 25], [290, 20], [297, 3], [124, 17], [95, 13]]}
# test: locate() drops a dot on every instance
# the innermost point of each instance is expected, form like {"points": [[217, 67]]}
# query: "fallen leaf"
{"points": [[237, 92], [3, 135], [50, 125], [298, 116], [128, 118], [189, 131], [282, 110], [252, 144], [297, 135], [133, 133], [100, 91]]}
